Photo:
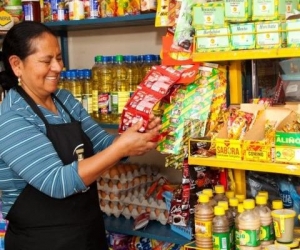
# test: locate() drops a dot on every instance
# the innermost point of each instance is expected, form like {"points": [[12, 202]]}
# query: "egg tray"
{"points": [[134, 204]]}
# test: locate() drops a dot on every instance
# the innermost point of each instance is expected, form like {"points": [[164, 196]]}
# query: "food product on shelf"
{"points": [[220, 229]]}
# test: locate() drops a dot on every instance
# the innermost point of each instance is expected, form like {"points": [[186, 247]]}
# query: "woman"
{"points": [[52, 151]]}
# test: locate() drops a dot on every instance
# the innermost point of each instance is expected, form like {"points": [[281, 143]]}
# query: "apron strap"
{"points": [[35, 108]]}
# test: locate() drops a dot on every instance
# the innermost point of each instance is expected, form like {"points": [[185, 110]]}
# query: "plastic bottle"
{"points": [[61, 82], [230, 218], [220, 193], [105, 81], [148, 62], [220, 230], [240, 210], [87, 99], [277, 204], [204, 214], [120, 88], [75, 86], [233, 206], [249, 227], [95, 82], [267, 235], [229, 194], [133, 73], [209, 192], [265, 193]]}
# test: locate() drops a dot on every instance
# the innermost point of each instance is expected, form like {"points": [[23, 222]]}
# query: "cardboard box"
{"points": [[265, 10], [242, 36], [287, 144], [293, 33], [238, 11], [268, 34]]}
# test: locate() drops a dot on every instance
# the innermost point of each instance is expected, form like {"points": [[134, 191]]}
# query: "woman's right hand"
{"points": [[133, 143]]}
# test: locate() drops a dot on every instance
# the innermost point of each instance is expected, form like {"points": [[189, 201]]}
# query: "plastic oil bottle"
{"points": [[249, 227], [87, 99], [267, 235], [220, 193], [133, 73], [95, 83], [233, 206], [75, 85], [229, 194], [120, 89], [230, 218], [265, 193], [209, 192], [240, 197], [61, 82], [220, 230], [204, 214], [240, 209], [148, 62], [105, 81]]}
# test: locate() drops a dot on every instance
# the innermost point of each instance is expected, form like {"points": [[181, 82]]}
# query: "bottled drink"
{"points": [[240, 209], [229, 194], [230, 218], [75, 86], [61, 82], [209, 192], [249, 227], [220, 229], [105, 77], [148, 62], [95, 83], [87, 99], [204, 214], [220, 193], [240, 197], [267, 235], [120, 89], [133, 73]]}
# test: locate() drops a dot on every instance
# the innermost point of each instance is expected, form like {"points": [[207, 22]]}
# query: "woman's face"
{"points": [[40, 71]]}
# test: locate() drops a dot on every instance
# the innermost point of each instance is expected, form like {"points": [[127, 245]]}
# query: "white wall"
{"points": [[84, 45]]}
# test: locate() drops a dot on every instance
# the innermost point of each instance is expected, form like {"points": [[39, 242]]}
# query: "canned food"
{"points": [[31, 10]]}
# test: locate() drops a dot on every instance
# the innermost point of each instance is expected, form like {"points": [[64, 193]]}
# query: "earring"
{"points": [[19, 81]]}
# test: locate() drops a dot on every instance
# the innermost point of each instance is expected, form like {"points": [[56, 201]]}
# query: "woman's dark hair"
{"points": [[18, 41]]}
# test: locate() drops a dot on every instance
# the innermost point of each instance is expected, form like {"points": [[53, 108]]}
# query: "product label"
{"points": [[267, 233], [237, 237], [221, 241], [203, 228], [104, 103], [249, 238], [118, 101], [228, 149], [277, 229], [87, 103], [95, 100]]}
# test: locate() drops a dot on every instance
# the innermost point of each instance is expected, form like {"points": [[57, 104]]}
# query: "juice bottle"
{"points": [[230, 218], [220, 230], [220, 193], [120, 89], [267, 235], [105, 81], [95, 82], [209, 192], [204, 214], [240, 209], [249, 227], [87, 100]]}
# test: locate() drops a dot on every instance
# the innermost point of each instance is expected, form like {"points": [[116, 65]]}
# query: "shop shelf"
{"points": [[107, 22], [247, 165], [154, 230], [246, 54]]}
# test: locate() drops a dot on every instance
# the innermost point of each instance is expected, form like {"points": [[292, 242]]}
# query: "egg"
{"points": [[130, 207], [140, 209], [120, 206], [119, 185], [111, 205], [113, 196], [102, 182], [157, 212], [110, 184], [103, 194], [128, 168], [113, 172], [136, 181], [143, 179], [102, 203]]}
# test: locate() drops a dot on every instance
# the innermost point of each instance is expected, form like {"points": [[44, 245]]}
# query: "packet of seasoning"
{"points": [[141, 221]]}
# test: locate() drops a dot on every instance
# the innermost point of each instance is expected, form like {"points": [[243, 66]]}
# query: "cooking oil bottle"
{"points": [[105, 77], [220, 229], [120, 89], [230, 218], [220, 193], [148, 62], [61, 81], [74, 84], [95, 83], [133, 73], [87, 99]]}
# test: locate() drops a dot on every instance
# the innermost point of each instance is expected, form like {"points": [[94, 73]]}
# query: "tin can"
{"points": [[76, 10], [59, 12], [92, 9], [31, 10]]}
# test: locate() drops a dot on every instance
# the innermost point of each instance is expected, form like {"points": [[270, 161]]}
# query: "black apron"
{"points": [[39, 222]]}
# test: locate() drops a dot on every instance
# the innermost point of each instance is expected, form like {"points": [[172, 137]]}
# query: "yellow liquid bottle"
{"points": [[87, 100], [133, 73], [95, 83], [75, 86]]}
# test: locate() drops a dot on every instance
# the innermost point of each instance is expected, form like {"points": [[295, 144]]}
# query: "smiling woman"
{"points": [[51, 150]]}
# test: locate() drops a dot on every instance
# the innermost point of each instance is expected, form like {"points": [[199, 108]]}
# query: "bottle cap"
{"points": [[229, 194], [208, 191], [261, 200], [223, 204], [240, 197], [233, 202], [265, 193], [98, 58], [240, 208], [277, 204], [219, 210], [249, 204], [219, 189], [203, 198]]}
